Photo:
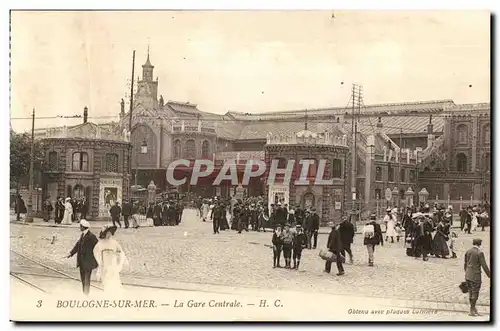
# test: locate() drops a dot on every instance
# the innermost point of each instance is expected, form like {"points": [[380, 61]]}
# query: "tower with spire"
{"points": [[147, 88]]}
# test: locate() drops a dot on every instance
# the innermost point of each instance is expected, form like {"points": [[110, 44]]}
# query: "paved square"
{"points": [[191, 253]]}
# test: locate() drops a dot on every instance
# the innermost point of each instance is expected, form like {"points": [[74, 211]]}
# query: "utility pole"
{"points": [[130, 122], [356, 108], [399, 165], [29, 214], [131, 95]]}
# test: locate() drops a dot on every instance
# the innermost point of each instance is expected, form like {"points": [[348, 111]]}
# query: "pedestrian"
{"points": [[277, 246], [390, 225], [126, 212], [287, 240], [84, 250], [299, 243], [216, 217], [423, 237], [346, 232], [452, 245], [334, 245], [68, 212], [468, 220], [474, 261], [84, 208], [47, 210], [110, 258], [474, 220], [440, 248], [115, 211], [372, 234], [314, 227], [463, 218]]}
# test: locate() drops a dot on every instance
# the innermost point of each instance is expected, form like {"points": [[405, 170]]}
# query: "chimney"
{"points": [[85, 114], [430, 133]]}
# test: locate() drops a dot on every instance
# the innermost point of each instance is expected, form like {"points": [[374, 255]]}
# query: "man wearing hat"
{"points": [[346, 232], [372, 237], [299, 243], [335, 246], [474, 261], [84, 250]]}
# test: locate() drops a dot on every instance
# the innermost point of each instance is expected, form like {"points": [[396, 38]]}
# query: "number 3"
{"points": [[39, 303]]}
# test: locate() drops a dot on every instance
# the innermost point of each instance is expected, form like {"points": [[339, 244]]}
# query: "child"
{"points": [[299, 243], [452, 245], [277, 245]]}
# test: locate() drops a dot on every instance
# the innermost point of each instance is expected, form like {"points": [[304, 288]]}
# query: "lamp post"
{"points": [[144, 150]]}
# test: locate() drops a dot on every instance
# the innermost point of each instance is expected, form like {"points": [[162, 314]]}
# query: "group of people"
{"points": [[66, 211]]}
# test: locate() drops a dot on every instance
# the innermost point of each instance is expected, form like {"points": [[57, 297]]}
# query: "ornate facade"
{"points": [[457, 166], [404, 147], [87, 161], [328, 197]]}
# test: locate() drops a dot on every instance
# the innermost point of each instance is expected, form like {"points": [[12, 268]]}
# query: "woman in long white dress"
{"points": [[68, 212], [111, 259], [205, 209], [390, 224]]}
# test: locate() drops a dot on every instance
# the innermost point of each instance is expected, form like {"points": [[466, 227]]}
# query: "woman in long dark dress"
{"points": [[439, 245]]}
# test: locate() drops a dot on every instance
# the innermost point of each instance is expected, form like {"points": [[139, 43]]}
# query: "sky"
{"points": [[245, 61]]}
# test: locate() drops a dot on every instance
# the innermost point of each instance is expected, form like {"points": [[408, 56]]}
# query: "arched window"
{"points": [[462, 134], [412, 176], [401, 194], [281, 162], [378, 174], [205, 147], [486, 134], [337, 168], [402, 175], [177, 149], [80, 161], [313, 166], [78, 191], [461, 162], [52, 164], [378, 194], [390, 173], [111, 162], [190, 149]]}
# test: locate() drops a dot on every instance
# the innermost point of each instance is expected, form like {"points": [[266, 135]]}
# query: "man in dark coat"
{"points": [[372, 239], [84, 208], [423, 238], [314, 227], [216, 217], [126, 212], [115, 212], [299, 243], [474, 261], [85, 260], [346, 232], [334, 245]]}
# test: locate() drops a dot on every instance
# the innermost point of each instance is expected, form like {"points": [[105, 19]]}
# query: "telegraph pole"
{"points": [[399, 164], [130, 122], [29, 214], [131, 95], [356, 108]]}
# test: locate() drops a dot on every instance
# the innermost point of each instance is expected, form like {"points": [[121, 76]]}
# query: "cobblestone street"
{"points": [[191, 253]]}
